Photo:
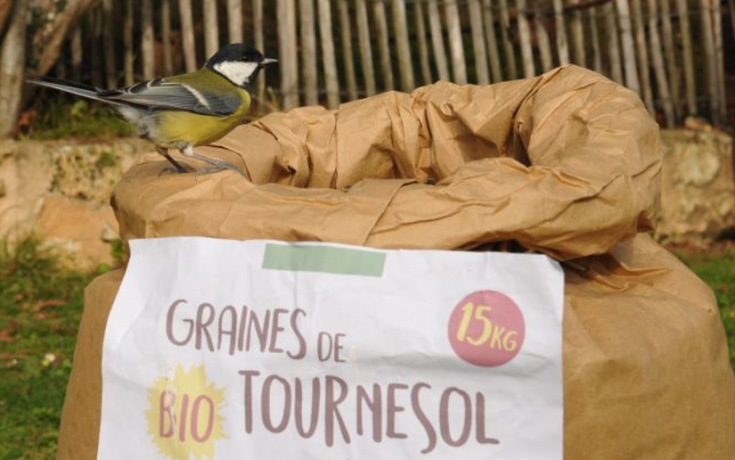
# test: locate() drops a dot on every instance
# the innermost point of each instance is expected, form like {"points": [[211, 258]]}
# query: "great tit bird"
{"points": [[184, 111]]}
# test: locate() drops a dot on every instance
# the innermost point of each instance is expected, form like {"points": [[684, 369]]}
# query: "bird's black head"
{"points": [[238, 63]]}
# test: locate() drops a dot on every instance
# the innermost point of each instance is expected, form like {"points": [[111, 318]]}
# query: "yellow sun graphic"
{"points": [[184, 415]]}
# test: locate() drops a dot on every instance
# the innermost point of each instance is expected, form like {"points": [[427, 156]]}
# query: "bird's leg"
{"points": [[217, 165], [177, 166]]}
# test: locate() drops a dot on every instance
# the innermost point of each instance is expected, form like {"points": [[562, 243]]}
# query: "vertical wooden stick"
{"points": [[626, 33], [437, 41], [308, 52], [211, 28], [147, 41], [330, 60], [187, 35], [525, 35], [719, 59], [381, 23], [542, 37], [418, 11], [709, 56], [492, 41], [259, 41], [510, 56], [670, 54], [366, 52], [611, 35], [234, 21], [347, 58], [478, 42], [128, 43], [108, 36], [168, 61], [286, 11], [12, 66], [578, 45], [595, 38], [658, 64], [459, 67], [94, 19], [400, 28], [562, 45], [77, 53], [686, 40], [640, 39]]}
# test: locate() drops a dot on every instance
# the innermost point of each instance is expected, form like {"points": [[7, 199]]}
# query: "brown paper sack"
{"points": [[566, 164]]}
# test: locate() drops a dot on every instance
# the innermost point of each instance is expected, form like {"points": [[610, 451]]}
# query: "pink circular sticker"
{"points": [[487, 329]]}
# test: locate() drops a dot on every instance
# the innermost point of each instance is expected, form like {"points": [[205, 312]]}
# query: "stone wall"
{"points": [[61, 192]]}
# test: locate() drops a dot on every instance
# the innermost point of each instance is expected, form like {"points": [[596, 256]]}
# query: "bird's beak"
{"points": [[268, 61]]}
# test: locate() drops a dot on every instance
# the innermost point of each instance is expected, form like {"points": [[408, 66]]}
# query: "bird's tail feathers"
{"points": [[67, 86]]}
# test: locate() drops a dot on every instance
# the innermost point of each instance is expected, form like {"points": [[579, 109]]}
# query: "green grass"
{"points": [[718, 270], [40, 309]]}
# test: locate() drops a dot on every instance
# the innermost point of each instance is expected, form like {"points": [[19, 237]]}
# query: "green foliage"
{"points": [[58, 119]]}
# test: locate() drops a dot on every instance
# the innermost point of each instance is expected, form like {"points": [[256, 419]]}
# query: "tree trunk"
{"points": [[147, 43], [50, 38], [187, 35], [308, 52], [12, 68], [478, 43], [5, 6], [330, 60], [366, 52], [529, 69], [437, 41], [404, 51], [211, 28], [347, 57], [234, 21], [108, 36]]}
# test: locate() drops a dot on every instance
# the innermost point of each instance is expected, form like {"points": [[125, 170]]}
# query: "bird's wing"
{"points": [[165, 94]]}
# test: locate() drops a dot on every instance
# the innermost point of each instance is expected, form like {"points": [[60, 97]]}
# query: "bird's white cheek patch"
{"points": [[238, 73]]}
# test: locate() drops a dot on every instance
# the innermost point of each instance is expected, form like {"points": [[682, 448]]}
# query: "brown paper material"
{"points": [[567, 163]]}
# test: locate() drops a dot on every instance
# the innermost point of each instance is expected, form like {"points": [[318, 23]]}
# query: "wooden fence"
{"points": [[669, 51]]}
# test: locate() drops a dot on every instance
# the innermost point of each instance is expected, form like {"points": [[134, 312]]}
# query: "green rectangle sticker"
{"points": [[323, 259]]}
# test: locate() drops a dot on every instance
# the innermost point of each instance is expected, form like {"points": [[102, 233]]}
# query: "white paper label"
{"points": [[218, 349]]}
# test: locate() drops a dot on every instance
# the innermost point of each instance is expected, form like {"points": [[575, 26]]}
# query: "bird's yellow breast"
{"points": [[175, 127]]}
